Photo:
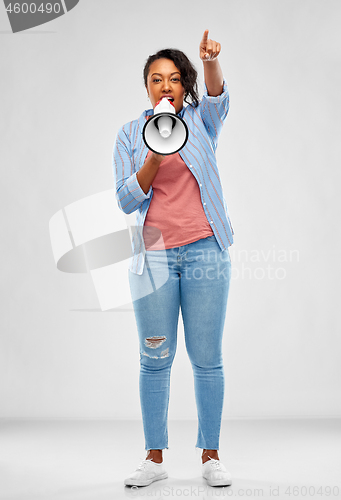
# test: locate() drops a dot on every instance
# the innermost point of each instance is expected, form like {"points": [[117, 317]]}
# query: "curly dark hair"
{"points": [[188, 72]]}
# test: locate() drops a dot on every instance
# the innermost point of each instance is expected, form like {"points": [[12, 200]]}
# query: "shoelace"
{"points": [[143, 464], [215, 463]]}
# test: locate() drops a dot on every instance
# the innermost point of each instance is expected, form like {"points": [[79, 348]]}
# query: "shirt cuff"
{"points": [[136, 190], [218, 98]]}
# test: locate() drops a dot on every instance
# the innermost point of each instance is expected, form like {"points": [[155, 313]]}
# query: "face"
{"points": [[164, 80]]}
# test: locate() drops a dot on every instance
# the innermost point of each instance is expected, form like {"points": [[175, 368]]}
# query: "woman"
{"points": [[180, 253]]}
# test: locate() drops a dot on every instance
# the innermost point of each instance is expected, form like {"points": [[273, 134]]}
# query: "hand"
{"points": [[158, 157], [208, 49]]}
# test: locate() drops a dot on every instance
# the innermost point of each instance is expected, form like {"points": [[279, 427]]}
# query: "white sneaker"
{"points": [[147, 472], [215, 473]]}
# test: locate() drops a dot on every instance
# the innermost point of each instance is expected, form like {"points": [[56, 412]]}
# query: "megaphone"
{"points": [[165, 133]]}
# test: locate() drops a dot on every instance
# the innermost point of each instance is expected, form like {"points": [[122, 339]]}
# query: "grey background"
{"points": [[66, 88]]}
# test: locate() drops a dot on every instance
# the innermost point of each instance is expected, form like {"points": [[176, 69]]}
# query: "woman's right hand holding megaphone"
{"points": [[158, 157], [148, 171]]}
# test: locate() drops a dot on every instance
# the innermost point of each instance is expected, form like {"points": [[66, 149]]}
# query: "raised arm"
{"points": [[209, 51]]}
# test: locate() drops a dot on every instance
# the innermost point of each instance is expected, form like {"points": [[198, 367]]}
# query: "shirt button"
{"points": [[204, 203], [211, 221], [190, 166], [200, 185]]}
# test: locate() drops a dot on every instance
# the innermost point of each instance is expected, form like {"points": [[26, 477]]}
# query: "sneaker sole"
{"points": [[219, 482], [135, 482]]}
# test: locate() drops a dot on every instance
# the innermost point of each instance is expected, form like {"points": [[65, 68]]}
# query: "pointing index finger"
{"points": [[205, 37]]}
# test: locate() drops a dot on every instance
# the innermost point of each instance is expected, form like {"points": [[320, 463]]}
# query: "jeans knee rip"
{"points": [[164, 354], [154, 342]]}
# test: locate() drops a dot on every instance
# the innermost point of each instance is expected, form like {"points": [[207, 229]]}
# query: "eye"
{"points": [[156, 80], [176, 79]]}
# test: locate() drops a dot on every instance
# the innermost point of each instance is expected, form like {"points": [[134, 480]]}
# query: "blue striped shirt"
{"points": [[129, 154]]}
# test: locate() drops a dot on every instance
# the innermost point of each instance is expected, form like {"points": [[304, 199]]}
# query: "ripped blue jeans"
{"points": [[197, 278]]}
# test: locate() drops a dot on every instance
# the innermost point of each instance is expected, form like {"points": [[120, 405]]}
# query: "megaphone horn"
{"points": [[165, 133]]}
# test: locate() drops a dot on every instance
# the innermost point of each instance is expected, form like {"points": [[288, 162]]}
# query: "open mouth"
{"points": [[169, 97]]}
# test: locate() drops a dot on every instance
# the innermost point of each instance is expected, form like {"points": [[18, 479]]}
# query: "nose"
{"points": [[166, 86]]}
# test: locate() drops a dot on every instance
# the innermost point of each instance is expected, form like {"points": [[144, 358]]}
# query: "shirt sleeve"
{"points": [[213, 111], [129, 194]]}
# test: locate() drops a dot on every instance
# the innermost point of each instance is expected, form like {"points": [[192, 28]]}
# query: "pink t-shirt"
{"points": [[176, 208]]}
